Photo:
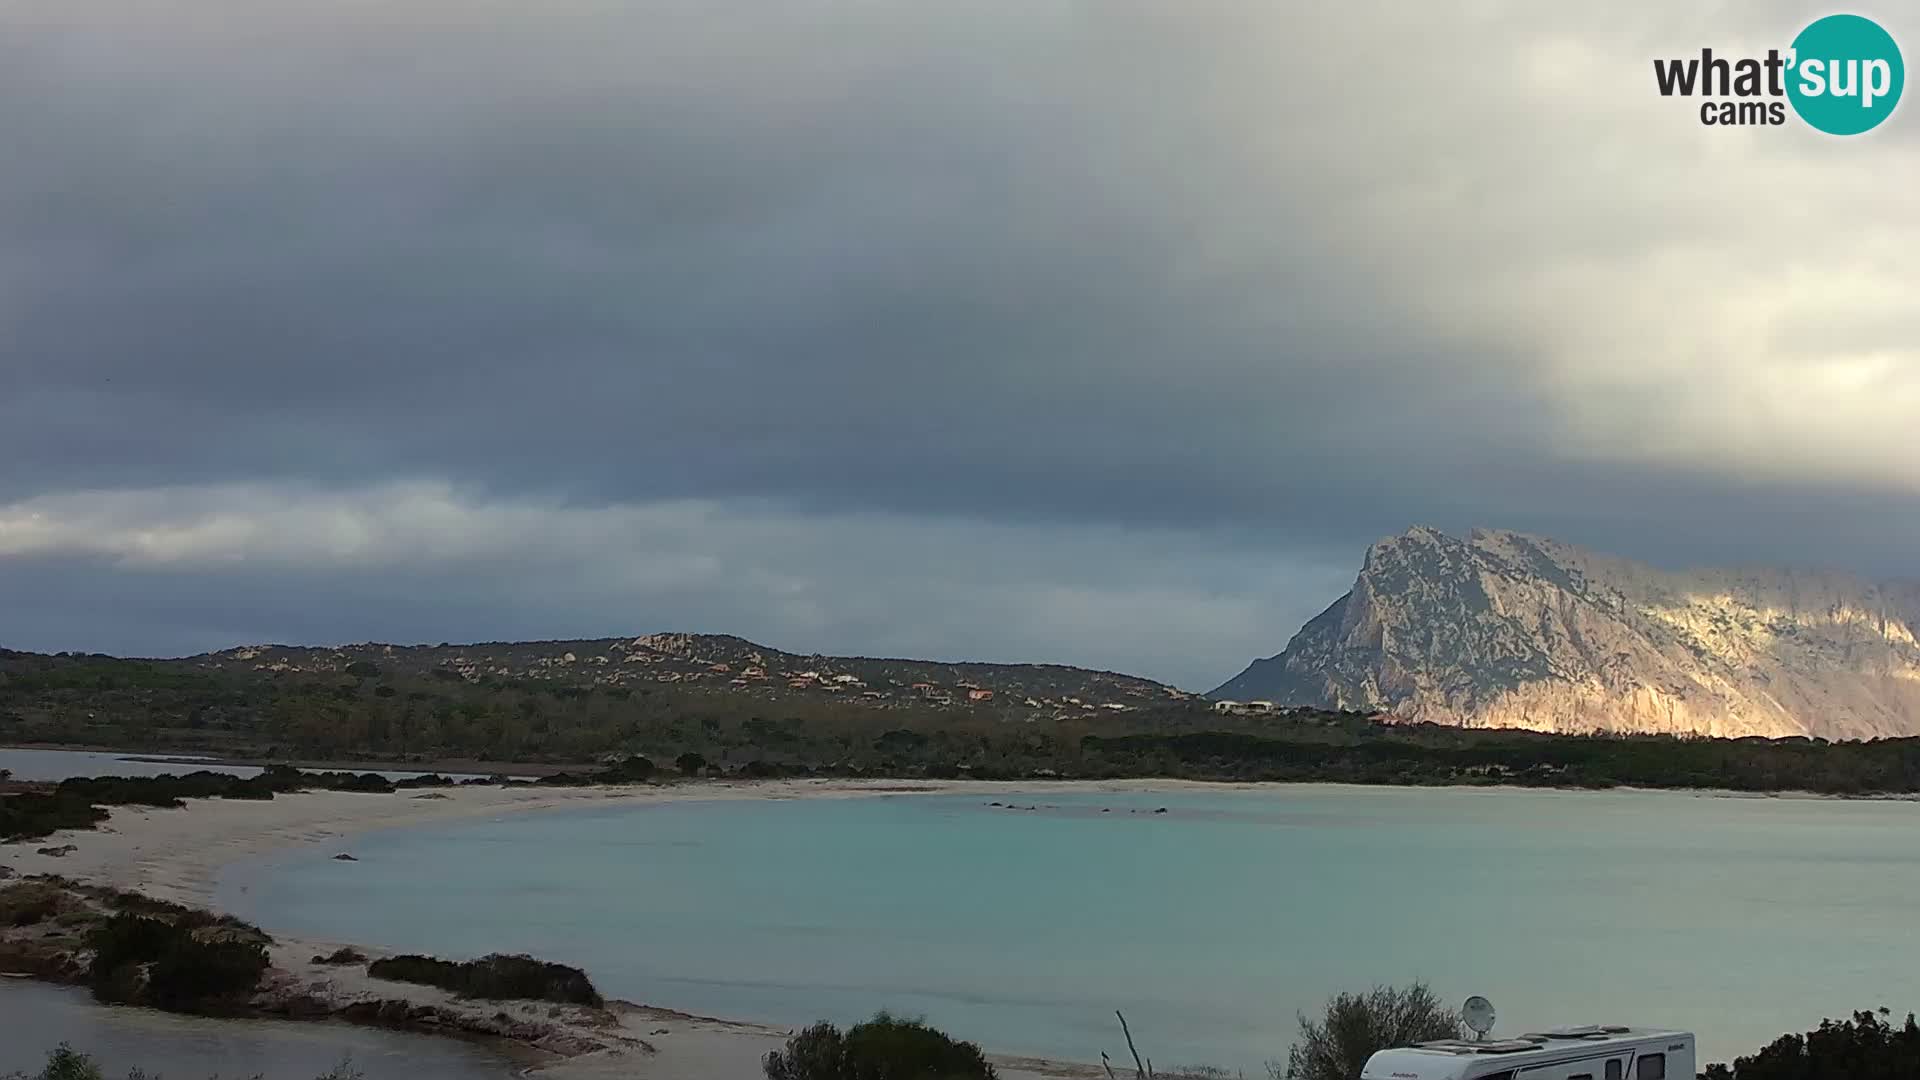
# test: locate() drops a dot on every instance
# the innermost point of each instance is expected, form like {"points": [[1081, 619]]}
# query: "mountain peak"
{"points": [[1508, 629]]}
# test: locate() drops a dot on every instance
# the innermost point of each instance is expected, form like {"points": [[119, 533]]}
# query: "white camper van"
{"points": [[1594, 1052], [1599, 1052]]}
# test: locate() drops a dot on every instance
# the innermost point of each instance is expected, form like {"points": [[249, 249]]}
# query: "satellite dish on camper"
{"points": [[1477, 1014]]}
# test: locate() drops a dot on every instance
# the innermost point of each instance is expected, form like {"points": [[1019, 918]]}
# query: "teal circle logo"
{"points": [[1846, 74]]}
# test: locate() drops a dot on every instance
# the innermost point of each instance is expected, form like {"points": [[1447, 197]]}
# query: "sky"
{"points": [[1106, 332]]}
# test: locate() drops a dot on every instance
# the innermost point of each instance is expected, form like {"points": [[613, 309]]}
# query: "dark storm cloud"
{"points": [[745, 279], [1272, 281]]}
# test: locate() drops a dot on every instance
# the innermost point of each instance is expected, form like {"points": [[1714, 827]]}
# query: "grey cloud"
{"points": [[1273, 279], [200, 569]]}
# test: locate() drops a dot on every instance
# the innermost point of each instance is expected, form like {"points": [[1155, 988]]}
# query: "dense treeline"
{"points": [[1867, 1047], [1415, 755], [377, 716]]}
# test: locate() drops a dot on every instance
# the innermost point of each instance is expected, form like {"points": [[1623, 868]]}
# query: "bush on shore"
{"points": [[27, 903], [1867, 1047], [498, 977], [165, 964], [628, 769], [883, 1048], [32, 815], [1354, 1026]]}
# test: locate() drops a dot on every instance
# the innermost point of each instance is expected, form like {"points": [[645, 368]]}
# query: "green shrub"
{"points": [[1355, 1026], [66, 1063], [883, 1048], [183, 972], [497, 976], [125, 940], [630, 768], [32, 815], [29, 902], [1867, 1047], [192, 973]]}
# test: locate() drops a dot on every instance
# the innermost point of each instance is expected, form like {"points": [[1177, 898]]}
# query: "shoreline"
{"points": [[535, 773], [177, 855], [174, 854]]}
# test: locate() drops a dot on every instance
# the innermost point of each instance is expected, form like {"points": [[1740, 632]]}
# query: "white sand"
{"points": [[177, 855]]}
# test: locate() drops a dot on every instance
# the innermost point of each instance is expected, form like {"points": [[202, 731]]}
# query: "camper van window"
{"points": [[1651, 1067], [1613, 1069], [1581, 1076]]}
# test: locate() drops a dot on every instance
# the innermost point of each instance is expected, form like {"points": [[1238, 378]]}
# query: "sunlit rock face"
{"points": [[1507, 630]]}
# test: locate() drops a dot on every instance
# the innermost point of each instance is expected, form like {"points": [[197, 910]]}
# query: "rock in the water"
{"points": [[344, 857]]}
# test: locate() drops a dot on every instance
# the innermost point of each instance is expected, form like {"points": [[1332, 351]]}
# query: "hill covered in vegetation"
{"points": [[400, 712]]}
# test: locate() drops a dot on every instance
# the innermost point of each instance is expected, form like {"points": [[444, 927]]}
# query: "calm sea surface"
{"points": [[50, 765], [1209, 925], [34, 1018]]}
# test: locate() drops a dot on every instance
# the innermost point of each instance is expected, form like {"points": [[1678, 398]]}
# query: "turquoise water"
{"points": [[1209, 925], [34, 1018]]}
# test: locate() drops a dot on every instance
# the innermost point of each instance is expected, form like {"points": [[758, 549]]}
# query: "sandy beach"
{"points": [[177, 855]]}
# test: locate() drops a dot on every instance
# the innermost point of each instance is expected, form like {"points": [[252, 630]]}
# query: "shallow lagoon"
{"points": [[35, 1017], [1210, 925]]}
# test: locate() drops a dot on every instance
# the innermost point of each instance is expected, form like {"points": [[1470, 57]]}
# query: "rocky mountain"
{"points": [[720, 663], [1507, 630]]}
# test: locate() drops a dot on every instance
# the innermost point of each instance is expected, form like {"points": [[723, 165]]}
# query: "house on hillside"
{"points": [[977, 694], [1224, 706]]}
